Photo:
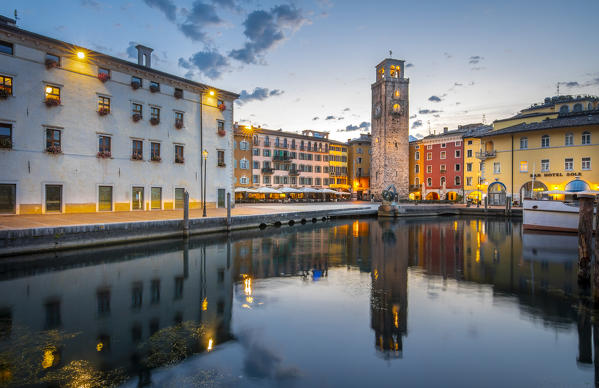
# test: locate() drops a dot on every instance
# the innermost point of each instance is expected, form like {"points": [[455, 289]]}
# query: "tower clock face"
{"points": [[377, 110]]}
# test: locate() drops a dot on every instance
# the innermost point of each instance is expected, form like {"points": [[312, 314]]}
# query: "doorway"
{"points": [[221, 198], [137, 198], [54, 198]]}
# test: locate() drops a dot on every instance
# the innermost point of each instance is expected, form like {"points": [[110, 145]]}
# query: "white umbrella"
{"points": [[289, 190], [244, 190], [344, 193], [268, 190], [329, 191], [309, 190]]}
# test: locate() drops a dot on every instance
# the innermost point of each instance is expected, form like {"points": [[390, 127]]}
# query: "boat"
{"points": [[554, 215]]}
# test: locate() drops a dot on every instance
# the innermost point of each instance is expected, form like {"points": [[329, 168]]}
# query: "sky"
{"points": [[310, 64]]}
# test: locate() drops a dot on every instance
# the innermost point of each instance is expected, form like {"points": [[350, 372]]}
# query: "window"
{"points": [[457, 167], [496, 168], [266, 153], [469, 142], [8, 198], [429, 169], [442, 169], [178, 93], [564, 109], [220, 158], [416, 181], [137, 109], [457, 181], [244, 164], [53, 198], [256, 151], [154, 87], [5, 86], [221, 126], [244, 180], [469, 153], [429, 156], [5, 135], [244, 145], [137, 295], [469, 167], [586, 137], [442, 181], [586, 163], [256, 164], [523, 143], [179, 119], [52, 94], [103, 302], [178, 294], [359, 161], [458, 153], [53, 140], [136, 82], [179, 158], [545, 165], [154, 113], [256, 179], [417, 155], [417, 168], [155, 291], [577, 108], [443, 145], [137, 198], [443, 154], [105, 198], [469, 181], [104, 143], [52, 60], [458, 143], [103, 105], [155, 151], [137, 150], [569, 139], [569, 164], [429, 147], [6, 48], [524, 166], [156, 198], [179, 198], [266, 180], [545, 141], [429, 182]]}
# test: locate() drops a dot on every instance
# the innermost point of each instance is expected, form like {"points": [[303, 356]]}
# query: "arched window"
{"points": [[256, 140], [244, 164], [442, 181], [569, 139], [545, 141], [243, 145], [429, 182], [523, 143], [396, 94], [564, 109], [417, 181], [586, 137], [577, 185], [396, 108], [392, 72], [577, 108]]}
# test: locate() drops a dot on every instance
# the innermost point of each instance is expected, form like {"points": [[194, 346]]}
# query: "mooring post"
{"points": [[186, 213], [228, 211], [486, 203], [585, 237], [507, 205]]}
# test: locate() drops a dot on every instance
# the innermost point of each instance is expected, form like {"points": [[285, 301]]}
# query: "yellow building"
{"points": [[416, 169], [473, 179], [338, 166], [358, 164], [555, 152]]}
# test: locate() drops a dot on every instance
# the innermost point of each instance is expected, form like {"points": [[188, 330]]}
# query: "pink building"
{"points": [[285, 159]]}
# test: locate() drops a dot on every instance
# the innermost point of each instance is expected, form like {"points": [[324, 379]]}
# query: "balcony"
{"points": [[281, 158], [294, 172], [266, 144], [484, 155], [267, 170]]}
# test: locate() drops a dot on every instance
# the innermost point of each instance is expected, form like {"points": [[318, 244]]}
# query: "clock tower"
{"points": [[390, 161]]}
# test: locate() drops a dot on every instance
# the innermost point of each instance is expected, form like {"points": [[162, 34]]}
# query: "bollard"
{"points": [[585, 237], [507, 205], [228, 211], [486, 203], [186, 213]]}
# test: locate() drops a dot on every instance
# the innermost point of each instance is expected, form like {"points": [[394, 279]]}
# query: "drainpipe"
{"points": [[512, 171], [201, 144]]}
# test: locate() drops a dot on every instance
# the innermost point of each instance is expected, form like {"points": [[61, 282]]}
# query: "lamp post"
{"points": [[205, 156]]}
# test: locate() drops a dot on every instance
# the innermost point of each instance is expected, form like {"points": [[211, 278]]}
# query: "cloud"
{"points": [[419, 136], [331, 118], [265, 29], [471, 83], [575, 84], [447, 55], [570, 84], [364, 125], [457, 84], [428, 111], [259, 94], [475, 59], [413, 116], [476, 68], [91, 4], [316, 118], [228, 4], [434, 99], [200, 16], [409, 65], [165, 6], [131, 50], [416, 124], [346, 110], [210, 63]]}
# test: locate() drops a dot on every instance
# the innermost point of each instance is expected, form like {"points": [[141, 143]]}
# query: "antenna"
{"points": [[558, 88], [16, 16], [484, 118], [390, 54]]}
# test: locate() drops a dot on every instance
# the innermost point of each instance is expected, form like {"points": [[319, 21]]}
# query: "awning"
{"points": [[309, 190], [244, 190], [268, 190], [289, 190]]}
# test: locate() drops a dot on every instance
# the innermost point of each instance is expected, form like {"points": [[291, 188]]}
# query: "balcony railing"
{"points": [[266, 144], [485, 155], [267, 170], [282, 158], [294, 172]]}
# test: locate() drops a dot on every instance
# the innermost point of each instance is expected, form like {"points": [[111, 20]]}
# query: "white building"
{"points": [[82, 131]]}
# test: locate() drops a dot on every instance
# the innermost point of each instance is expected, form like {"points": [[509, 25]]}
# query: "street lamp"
{"points": [[205, 156]]}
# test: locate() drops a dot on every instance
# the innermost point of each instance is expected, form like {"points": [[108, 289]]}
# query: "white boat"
{"points": [[556, 216]]}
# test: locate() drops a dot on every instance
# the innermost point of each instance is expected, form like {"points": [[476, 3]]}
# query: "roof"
{"points": [[280, 132], [524, 116], [96, 54], [364, 138], [453, 132], [578, 120], [551, 101]]}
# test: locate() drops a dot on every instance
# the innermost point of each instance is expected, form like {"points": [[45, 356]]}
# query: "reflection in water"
{"points": [[98, 318]]}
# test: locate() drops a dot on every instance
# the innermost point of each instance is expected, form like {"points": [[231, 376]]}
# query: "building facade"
{"points": [[358, 165], [390, 129], [443, 165], [81, 131], [242, 156], [338, 178]]}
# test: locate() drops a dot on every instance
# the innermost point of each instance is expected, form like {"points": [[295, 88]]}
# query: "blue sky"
{"points": [[297, 63]]}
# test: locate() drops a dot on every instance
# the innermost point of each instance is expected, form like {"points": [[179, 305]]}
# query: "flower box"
{"points": [[178, 124], [104, 154], [136, 156], [103, 77], [50, 102], [103, 111], [179, 160], [4, 94], [53, 150], [221, 132], [222, 107], [135, 85], [156, 158], [178, 94], [51, 63], [154, 89], [154, 121], [136, 117]]}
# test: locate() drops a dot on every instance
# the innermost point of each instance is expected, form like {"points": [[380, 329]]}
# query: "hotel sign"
{"points": [[550, 174]]}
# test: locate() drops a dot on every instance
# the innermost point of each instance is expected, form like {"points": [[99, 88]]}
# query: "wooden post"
{"points": [[186, 213], [507, 205], [228, 211], [585, 237], [486, 203]]}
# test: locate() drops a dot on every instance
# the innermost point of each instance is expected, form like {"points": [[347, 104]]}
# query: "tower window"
{"points": [[396, 94]]}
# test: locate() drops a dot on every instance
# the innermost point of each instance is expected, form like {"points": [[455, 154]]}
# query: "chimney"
{"points": [[445, 129], [144, 55]]}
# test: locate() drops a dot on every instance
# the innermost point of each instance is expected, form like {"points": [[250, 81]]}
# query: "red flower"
{"points": [[135, 85], [103, 77], [103, 111], [222, 107], [154, 121], [221, 132], [136, 117], [50, 102]]}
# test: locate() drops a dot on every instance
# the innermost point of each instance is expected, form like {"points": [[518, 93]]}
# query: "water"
{"points": [[418, 302]]}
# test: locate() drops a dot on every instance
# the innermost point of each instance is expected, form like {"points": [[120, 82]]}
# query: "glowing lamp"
{"points": [[80, 54], [212, 93], [48, 89], [210, 342], [205, 154]]}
